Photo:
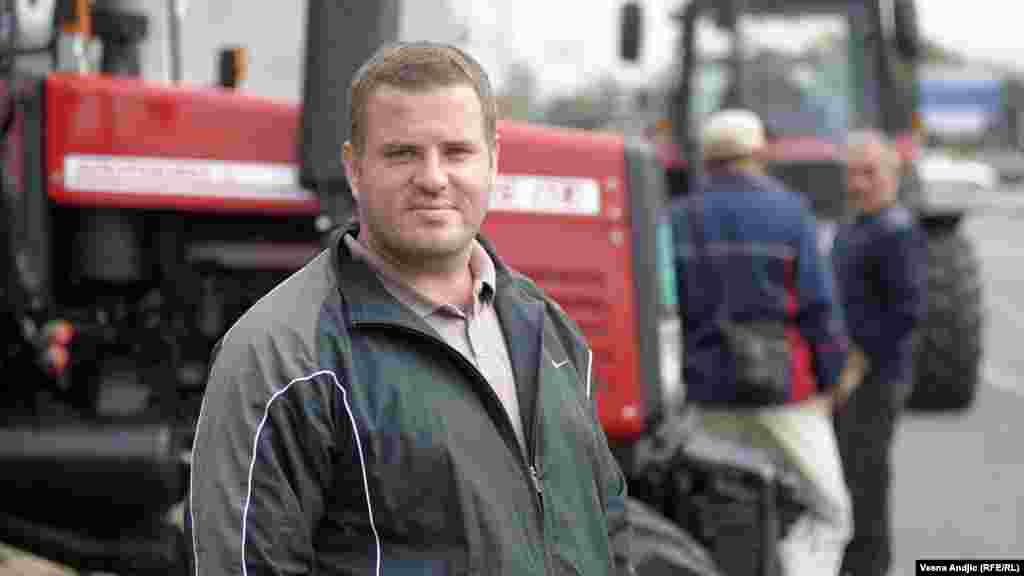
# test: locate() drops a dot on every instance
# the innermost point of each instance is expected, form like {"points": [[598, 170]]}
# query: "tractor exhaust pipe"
{"points": [[330, 62], [175, 21]]}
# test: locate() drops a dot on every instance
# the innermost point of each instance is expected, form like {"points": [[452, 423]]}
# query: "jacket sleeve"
{"points": [[259, 460], [819, 315], [901, 255], [906, 278], [620, 529], [613, 481]]}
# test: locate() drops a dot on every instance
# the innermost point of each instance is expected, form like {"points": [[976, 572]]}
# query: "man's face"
{"points": [[870, 179], [424, 179]]}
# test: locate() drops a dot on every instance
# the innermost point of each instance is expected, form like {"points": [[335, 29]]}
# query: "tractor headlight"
{"points": [[670, 361], [670, 334]]}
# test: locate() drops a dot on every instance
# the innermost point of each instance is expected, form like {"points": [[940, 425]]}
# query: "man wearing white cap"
{"points": [[747, 260]]}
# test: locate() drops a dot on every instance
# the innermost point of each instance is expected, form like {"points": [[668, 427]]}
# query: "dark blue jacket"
{"points": [[761, 244], [881, 268]]}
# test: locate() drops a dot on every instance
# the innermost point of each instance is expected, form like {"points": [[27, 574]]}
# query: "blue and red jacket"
{"points": [[759, 242]]}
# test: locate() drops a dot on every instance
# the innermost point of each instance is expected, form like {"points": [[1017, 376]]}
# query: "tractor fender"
{"points": [[938, 221]]}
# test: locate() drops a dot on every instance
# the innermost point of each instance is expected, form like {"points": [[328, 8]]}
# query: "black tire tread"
{"points": [[660, 548], [949, 350]]}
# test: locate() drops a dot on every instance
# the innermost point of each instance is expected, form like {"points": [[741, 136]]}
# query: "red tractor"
{"points": [[142, 219]]}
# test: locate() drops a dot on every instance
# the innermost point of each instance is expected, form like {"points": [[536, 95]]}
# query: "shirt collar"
{"points": [[481, 269]]}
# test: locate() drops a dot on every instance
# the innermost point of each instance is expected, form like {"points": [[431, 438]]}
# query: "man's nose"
{"points": [[431, 174], [857, 182]]}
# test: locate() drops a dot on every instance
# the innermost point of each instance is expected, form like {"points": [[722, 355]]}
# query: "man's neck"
{"points": [[446, 280], [875, 207], [747, 166], [750, 166], [454, 287]]}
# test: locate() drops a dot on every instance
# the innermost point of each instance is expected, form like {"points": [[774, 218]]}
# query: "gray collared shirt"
{"points": [[475, 333]]}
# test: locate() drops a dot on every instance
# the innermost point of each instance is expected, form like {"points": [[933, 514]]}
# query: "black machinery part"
{"points": [[949, 348]]}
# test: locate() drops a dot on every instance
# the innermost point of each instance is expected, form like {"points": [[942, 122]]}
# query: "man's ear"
{"points": [[494, 157], [348, 157]]}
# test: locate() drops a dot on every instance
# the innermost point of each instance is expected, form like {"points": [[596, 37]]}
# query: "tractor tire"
{"points": [[948, 352], [661, 548]]}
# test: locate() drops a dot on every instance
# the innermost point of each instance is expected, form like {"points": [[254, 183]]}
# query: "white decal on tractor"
{"points": [[546, 195], [183, 177]]}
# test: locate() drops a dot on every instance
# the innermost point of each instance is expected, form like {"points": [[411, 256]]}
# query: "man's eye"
{"points": [[399, 154], [460, 152]]}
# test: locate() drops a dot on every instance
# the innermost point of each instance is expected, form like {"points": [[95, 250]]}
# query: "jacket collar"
{"points": [[364, 297], [520, 312], [369, 302], [732, 180]]}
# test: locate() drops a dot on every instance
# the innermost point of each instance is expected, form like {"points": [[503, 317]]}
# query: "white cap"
{"points": [[730, 134]]}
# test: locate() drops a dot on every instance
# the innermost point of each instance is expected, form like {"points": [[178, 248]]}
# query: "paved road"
{"points": [[959, 480]]}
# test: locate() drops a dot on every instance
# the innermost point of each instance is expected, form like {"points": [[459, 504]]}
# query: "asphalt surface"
{"points": [[959, 479]]}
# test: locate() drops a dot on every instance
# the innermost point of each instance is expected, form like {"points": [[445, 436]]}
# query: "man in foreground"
{"points": [[406, 403]]}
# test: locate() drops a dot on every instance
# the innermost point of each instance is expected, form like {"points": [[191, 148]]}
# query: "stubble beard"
{"points": [[425, 249]]}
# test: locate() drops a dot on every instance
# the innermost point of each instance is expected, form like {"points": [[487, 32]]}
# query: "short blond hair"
{"points": [[418, 66]]}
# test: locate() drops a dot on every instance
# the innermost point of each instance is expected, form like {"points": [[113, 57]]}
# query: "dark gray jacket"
{"points": [[340, 435]]}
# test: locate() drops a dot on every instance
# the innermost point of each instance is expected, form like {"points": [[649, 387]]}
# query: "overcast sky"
{"points": [[574, 40], [988, 29], [568, 41]]}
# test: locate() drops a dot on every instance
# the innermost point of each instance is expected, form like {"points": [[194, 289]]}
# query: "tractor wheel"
{"points": [[948, 354], [660, 548]]}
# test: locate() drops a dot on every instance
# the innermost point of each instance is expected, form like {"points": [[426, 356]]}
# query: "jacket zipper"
{"points": [[530, 472], [536, 477]]}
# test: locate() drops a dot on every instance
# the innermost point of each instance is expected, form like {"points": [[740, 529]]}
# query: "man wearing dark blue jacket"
{"points": [[746, 248], [880, 261]]}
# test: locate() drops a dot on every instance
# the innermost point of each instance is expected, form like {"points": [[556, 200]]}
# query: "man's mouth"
{"points": [[438, 208]]}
